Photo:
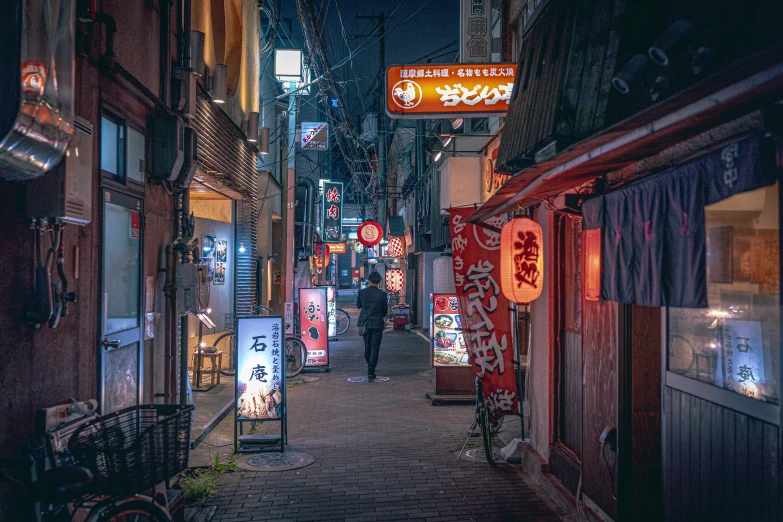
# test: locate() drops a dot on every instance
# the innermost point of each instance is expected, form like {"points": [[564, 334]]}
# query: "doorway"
{"points": [[120, 346]]}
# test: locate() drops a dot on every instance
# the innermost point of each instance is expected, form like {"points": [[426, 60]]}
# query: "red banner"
{"points": [[313, 324], [485, 313]]}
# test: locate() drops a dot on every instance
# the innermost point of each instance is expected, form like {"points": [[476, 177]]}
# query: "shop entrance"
{"points": [[120, 347], [210, 345]]}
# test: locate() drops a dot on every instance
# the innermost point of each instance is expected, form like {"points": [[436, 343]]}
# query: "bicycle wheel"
{"points": [[227, 343], [133, 509], [343, 321], [295, 356], [681, 356]]}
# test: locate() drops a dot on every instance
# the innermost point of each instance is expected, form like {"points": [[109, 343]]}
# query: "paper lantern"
{"points": [[394, 280], [396, 247], [521, 260], [369, 233], [592, 264], [321, 258]]}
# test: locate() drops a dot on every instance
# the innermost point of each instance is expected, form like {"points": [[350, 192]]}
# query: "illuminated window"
{"points": [[734, 343]]}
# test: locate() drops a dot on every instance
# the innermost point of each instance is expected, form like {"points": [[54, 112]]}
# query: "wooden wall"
{"points": [[600, 360], [718, 464]]}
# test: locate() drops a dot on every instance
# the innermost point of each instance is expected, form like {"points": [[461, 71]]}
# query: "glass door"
{"points": [[120, 346]]}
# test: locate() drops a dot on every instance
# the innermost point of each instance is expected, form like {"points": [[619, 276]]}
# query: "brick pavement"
{"points": [[382, 452]]}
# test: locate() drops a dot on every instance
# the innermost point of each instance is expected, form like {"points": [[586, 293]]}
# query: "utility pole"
{"points": [[380, 21]]}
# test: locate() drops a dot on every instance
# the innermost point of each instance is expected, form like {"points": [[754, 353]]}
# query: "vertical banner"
{"points": [[475, 35], [260, 368], [484, 311], [288, 318], [333, 211], [313, 325], [331, 309]]}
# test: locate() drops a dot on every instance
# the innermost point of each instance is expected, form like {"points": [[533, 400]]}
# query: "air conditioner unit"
{"points": [[65, 192], [168, 147], [190, 162]]}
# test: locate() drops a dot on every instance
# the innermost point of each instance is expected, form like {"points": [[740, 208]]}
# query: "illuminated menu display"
{"points": [[448, 343]]}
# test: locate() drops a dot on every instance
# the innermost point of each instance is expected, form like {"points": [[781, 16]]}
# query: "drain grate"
{"points": [[480, 454], [275, 461], [363, 378]]}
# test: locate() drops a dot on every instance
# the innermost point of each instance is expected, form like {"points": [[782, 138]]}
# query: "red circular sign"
{"points": [[369, 233]]}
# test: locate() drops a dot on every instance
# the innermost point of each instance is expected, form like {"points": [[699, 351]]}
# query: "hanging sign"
{"points": [[484, 310], [369, 233], [337, 248], [260, 368], [521, 260], [449, 90], [475, 36], [313, 317], [448, 342], [315, 136], [332, 211]]}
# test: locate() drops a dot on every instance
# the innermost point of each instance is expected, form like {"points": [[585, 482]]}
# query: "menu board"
{"points": [[260, 368], [448, 343], [313, 325]]}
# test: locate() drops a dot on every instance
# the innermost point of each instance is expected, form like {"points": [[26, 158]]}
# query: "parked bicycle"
{"points": [[489, 429], [343, 321], [295, 350], [95, 469]]}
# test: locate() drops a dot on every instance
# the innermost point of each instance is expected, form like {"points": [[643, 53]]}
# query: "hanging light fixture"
{"points": [[394, 280], [220, 84], [456, 123], [322, 255], [263, 141], [521, 260], [592, 264], [252, 127], [396, 247]]}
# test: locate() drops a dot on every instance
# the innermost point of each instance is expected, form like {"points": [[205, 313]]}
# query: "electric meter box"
{"points": [[65, 192]]}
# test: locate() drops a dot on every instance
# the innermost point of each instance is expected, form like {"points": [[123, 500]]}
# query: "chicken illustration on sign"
{"points": [[449, 90]]}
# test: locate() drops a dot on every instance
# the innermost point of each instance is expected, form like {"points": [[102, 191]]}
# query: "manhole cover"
{"points": [[275, 461], [311, 378], [363, 378], [480, 454]]}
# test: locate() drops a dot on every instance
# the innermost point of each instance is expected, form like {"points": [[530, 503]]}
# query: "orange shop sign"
{"points": [[474, 89]]}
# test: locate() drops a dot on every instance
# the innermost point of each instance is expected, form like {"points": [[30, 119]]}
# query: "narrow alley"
{"points": [[381, 450]]}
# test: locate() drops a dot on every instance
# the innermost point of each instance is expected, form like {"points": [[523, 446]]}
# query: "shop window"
{"points": [[734, 343]]}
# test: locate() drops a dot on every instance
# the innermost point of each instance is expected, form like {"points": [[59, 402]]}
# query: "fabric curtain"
{"points": [[654, 242]]}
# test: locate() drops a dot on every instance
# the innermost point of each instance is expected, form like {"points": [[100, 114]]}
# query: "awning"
{"points": [[395, 226], [728, 94], [653, 241]]}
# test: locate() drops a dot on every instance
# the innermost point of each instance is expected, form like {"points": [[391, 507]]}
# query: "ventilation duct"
{"points": [[36, 115]]}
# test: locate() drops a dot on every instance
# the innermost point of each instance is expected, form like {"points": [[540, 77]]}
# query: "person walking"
{"points": [[373, 302]]}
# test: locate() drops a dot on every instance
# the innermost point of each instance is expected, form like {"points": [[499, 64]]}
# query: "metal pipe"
{"points": [[170, 291], [186, 56], [183, 360]]}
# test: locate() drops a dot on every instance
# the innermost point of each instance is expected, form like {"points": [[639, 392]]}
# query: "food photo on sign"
{"points": [[260, 367], [448, 342]]}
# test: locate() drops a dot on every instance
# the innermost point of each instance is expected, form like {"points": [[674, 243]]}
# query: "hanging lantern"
{"points": [[321, 258], [394, 280], [592, 264], [369, 233], [396, 247], [521, 260]]}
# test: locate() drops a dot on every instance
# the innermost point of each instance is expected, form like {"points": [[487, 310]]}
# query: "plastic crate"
{"points": [[133, 449]]}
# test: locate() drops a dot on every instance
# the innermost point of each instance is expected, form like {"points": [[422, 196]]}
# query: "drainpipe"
{"points": [[165, 46], [170, 290]]}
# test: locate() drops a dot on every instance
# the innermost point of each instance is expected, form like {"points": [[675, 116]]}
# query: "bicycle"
{"points": [[295, 350], [96, 466], [489, 428], [343, 320]]}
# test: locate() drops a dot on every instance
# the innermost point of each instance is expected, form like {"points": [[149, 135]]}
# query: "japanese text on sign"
{"points": [[332, 211], [260, 372]]}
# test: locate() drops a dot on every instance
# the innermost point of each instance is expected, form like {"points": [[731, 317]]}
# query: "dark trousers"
{"points": [[372, 345]]}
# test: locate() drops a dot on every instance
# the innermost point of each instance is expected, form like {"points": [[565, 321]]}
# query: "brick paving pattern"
{"points": [[382, 451]]}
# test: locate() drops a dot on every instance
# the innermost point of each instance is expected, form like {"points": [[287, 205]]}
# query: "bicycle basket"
{"points": [[131, 450]]}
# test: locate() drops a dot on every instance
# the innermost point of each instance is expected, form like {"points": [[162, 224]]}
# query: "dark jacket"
{"points": [[373, 303]]}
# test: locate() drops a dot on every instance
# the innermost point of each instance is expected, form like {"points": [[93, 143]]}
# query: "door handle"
{"points": [[108, 344]]}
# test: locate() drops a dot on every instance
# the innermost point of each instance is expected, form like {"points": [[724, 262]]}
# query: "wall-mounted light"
{"points": [[671, 42], [632, 74], [456, 123], [436, 153], [242, 248], [446, 139], [592, 264], [217, 83], [263, 141], [197, 52], [252, 127]]}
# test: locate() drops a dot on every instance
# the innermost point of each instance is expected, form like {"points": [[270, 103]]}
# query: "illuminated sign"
{"points": [[315, 136], [332, 211], [260, 368], [448, 343], [337, 248], [448, 90], [313, 321]]}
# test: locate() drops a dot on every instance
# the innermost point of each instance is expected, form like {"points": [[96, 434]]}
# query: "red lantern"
{"points": [[321, 258], [521, 260], [394, 280], [369, 233], [592, 264], [396, 247]]}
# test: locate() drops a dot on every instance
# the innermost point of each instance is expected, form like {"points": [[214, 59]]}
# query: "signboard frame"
{"points": [[331, 310], [311, 130], [322, 331], [243, 330], [394, 79], [456, 326]]}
